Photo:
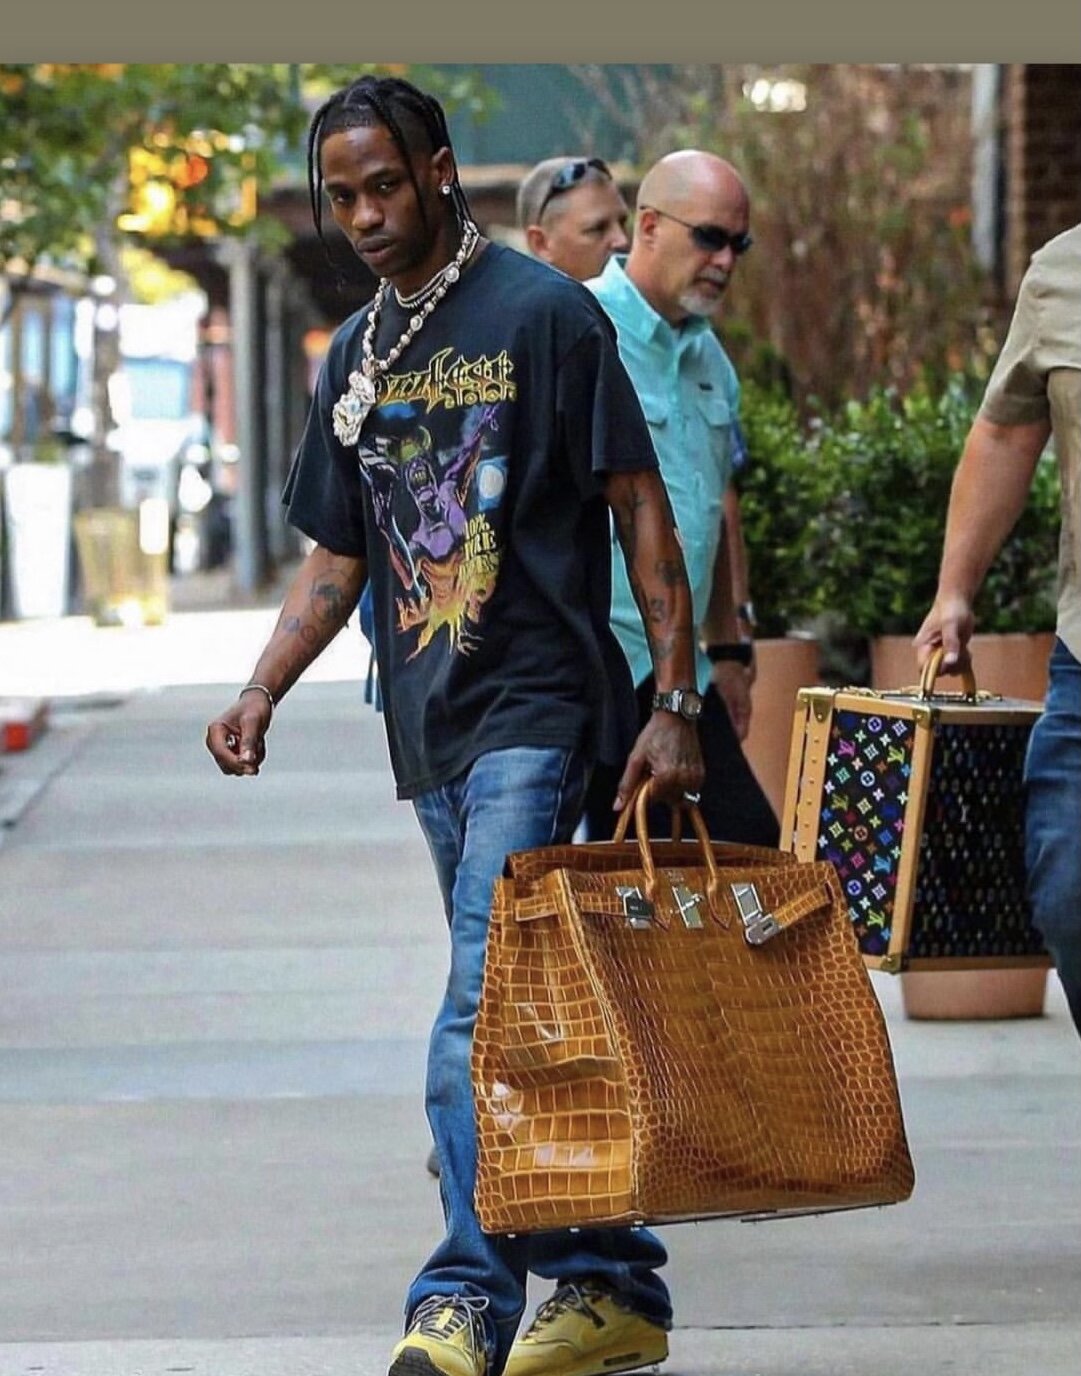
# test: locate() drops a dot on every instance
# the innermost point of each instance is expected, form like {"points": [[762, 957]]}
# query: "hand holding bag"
{"points": [[677, 1030]]}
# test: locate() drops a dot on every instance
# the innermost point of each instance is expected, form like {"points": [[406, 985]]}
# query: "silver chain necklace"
{"points": [[352, 407], [429, 288]]}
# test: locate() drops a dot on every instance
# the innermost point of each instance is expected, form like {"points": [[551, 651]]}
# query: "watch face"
{"points": [[690, 705]]}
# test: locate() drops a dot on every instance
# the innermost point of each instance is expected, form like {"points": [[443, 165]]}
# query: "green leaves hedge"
{"points": [[844, 512]]}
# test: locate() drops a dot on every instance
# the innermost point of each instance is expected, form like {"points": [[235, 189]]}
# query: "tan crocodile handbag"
{"points": [[676, 1030]]}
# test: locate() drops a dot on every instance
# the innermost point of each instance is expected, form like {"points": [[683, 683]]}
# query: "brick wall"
{"points": [[1042, 117]]}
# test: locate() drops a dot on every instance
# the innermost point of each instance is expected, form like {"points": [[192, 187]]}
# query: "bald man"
{"points": [[573, 214], [692, 226]]}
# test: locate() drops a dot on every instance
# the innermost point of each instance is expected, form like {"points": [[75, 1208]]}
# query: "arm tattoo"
{"points": [[303, 630], [658, 609], [669, 572], [657, 620], [635, 501], [656, 587], [327, 602], [627, 521]]}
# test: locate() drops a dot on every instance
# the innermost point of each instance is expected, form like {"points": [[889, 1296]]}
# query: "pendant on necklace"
{"points": [[352, 407]]}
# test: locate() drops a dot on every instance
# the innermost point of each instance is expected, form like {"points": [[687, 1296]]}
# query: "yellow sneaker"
{"points": [[583, 1331], [445, 1338]]}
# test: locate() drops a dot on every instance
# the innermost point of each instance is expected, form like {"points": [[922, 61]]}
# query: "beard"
{"points": [[700, 299]]}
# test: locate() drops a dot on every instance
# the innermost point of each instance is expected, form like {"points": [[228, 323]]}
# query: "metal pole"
{"points": [[251, 563], [276, 414], [986, 166]]}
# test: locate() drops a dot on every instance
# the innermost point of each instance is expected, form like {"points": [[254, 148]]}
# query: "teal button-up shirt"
{"points": [[690, 395]]}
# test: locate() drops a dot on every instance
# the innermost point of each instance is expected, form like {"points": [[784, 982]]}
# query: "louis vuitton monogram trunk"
{"points": [[916, 799]]}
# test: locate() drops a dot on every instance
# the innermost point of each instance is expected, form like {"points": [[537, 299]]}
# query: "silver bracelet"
{"points": [[262, 689]]}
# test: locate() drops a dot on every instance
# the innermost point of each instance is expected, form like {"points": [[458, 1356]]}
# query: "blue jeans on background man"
{"points": [[508, 800], [1053, 807]]}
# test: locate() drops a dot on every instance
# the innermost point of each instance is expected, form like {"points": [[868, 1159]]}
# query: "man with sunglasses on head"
{"points": [[692, 227], [573, 215]]}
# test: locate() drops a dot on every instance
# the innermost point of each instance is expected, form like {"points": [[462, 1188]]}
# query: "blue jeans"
{"points": [[1053, 806], [507, 800]]}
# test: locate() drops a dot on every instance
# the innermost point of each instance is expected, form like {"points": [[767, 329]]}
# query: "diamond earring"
{"points": [[444, 190]]}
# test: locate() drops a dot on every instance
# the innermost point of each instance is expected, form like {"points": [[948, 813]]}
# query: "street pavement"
{"points": [[214, 1001]]}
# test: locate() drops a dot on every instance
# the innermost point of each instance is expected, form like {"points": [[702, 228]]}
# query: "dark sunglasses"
{"points": [[571, 175], [709, 238]]}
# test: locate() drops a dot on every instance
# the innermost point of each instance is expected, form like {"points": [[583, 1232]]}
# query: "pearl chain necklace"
{"points": [[352, 407]]}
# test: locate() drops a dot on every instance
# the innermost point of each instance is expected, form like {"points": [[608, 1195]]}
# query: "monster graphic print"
{"points": [[437, 509]]}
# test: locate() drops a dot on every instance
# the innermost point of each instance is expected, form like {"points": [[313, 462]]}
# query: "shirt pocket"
{"points": [[715, 422], [710, 430], [656, 408], [714, 408]]}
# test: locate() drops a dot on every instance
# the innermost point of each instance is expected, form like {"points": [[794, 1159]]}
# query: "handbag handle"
{"points": [[630, 810], [638, 805], [933, 668], [726, 853]]}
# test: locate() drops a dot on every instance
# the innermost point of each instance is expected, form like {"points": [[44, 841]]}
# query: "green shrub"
{"points": [[844, 515], [890, 463], [781, 496]]}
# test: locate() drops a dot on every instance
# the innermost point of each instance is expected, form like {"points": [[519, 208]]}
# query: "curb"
{"points": [[22, 721], [47, 740]]}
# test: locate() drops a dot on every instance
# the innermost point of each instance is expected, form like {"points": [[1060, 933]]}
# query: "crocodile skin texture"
{"points": [[658, 1067]]}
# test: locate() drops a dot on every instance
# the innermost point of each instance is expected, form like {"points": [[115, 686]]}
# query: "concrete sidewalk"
{"points": [[1004, 1350], [209, 636], [214, 1001]]}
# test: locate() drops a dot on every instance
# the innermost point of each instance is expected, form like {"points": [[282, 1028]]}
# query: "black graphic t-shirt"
{"points": [[474, 490]]}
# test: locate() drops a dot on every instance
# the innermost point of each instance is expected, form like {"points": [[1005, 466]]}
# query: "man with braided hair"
{"points": [[502, 681]]}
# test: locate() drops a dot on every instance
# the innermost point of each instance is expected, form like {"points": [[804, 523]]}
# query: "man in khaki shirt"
{"points": [[1034, 392]]}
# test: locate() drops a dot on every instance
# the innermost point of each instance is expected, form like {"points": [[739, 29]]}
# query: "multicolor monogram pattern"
{"points": [[970, 891], [861, 826], [969, 898]]}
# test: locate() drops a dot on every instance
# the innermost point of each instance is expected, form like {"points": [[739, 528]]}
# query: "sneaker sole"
{"points": [[618, 1365], [415, 1364]]}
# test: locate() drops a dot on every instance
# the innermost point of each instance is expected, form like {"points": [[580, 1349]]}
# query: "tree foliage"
{"points": [[70, 131], [863, 272], [98, 156]]}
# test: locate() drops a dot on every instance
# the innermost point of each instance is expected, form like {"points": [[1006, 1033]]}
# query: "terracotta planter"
{"points": [[785, 666], [971, 995], [1015, 666]]}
